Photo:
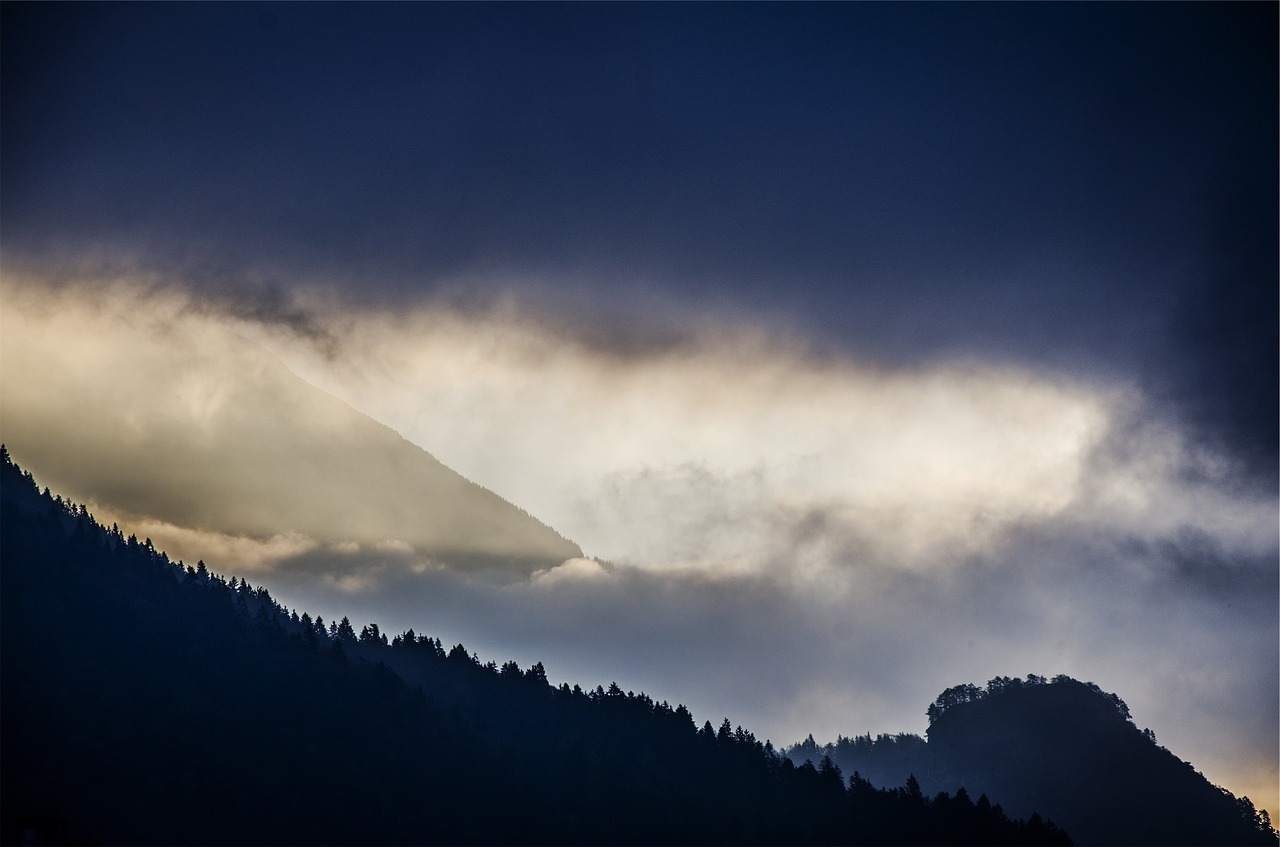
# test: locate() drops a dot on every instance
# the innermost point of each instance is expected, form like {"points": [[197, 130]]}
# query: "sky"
{"points": [[863, 349]]}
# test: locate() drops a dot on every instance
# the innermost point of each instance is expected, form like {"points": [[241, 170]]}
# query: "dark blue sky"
{"points": [[1091, 187]]}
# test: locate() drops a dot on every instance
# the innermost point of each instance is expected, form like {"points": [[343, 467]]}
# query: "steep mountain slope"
{"points": [[1065, 748], [229, 441], [145, 702]]}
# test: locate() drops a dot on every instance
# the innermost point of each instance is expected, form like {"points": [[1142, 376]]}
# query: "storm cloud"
{"points": [[1088, 188], [864, 349]]}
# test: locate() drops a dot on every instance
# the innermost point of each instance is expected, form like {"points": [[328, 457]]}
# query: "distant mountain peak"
{"points": [[228, 441], [1006, 687], [1064, 748]]}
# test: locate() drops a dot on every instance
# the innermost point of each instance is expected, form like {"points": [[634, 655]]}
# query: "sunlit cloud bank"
{"points": [[635, 451], [644, 456], [799, 540]]}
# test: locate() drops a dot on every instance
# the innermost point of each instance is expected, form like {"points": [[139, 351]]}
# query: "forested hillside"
{"points": [[150, 701], [1065, 748]]}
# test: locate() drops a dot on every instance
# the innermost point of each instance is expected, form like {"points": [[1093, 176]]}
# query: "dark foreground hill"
{"points": [[145, 701], [1065, 748]]}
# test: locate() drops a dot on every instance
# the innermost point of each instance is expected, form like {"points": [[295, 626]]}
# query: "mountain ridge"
{"points": [[160, 703]]}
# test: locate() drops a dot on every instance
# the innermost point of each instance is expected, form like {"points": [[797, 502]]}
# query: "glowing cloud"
{"points": [[571, 569], [796, 538], [637, 451]]}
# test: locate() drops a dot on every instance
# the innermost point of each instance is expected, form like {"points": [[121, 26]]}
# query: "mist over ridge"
{"points": [[368, 738], [774, 511], [227, 658]]}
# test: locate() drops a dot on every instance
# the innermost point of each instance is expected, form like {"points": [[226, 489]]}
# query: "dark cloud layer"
{"points": [[1033, 181], [1225, 376]]}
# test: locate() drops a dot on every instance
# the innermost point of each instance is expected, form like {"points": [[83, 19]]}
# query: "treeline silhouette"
{"points": [[1063, 747], [148, 701]]}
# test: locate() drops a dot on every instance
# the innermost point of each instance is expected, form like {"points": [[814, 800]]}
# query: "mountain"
{"points": [[1065, 748], [201, 431], [146, 701]]}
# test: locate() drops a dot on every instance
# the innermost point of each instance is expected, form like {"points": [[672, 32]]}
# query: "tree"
{"points": [[344, 632], [371, 635], [911, 790], [830, 773]]}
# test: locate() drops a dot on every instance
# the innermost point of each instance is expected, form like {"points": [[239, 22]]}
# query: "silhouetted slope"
{"points": [[1066, 749], [1069, 750], [147, 702], [243, 446]]}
